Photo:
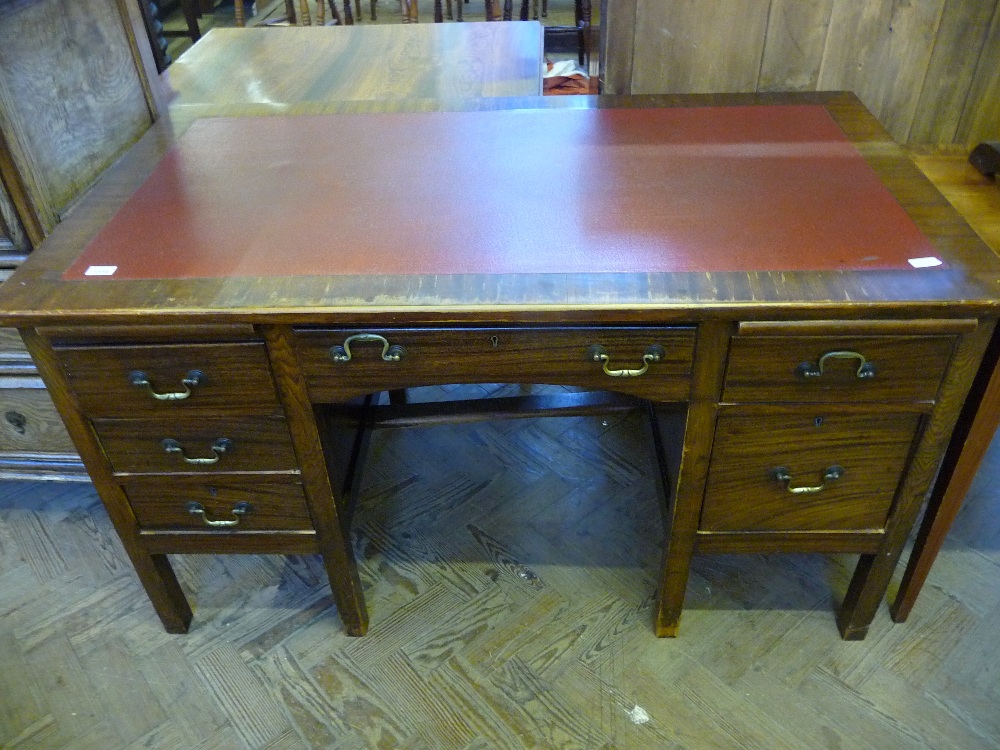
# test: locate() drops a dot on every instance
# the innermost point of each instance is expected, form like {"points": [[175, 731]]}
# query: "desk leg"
{"points": [[681, 515], [163, 590], [685, 510], [977, 425], [872, 576], [332, 530]]}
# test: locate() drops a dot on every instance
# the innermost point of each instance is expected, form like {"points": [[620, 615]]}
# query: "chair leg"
{"points": [[459, 9], [374, 3], [335, 13], [438, 12], [191, 14], [357, 9], [448, 12], [583, 15], [545, 8], [304, 16]]}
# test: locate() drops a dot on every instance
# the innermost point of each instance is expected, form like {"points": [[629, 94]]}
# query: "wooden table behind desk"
{"points": [[356, 63], [978, 200]]}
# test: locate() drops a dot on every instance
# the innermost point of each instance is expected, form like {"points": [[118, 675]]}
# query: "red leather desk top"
{"points": [[776, 188]]}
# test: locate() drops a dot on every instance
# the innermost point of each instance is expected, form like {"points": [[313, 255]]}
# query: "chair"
{"points": [[528, 9], [303, 17]]}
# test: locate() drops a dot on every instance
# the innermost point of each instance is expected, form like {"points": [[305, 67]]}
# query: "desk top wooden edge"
{"points": [[37, 295]]}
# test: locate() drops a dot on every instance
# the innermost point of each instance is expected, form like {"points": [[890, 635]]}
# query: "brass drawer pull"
{"points": [[781, 474], [390, 353], [597, 353], [866, 369], [239, 510], [193, 378], [219, 447]]}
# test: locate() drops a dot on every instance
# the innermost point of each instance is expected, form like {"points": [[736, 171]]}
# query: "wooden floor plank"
{"points": [[510, 609]]}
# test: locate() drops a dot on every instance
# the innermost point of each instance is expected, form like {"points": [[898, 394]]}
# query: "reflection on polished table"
{"points": [[798, 310], [277, 66]]}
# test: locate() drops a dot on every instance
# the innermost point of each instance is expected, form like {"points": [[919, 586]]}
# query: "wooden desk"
{"points": [[277, 66], [802, 406]]}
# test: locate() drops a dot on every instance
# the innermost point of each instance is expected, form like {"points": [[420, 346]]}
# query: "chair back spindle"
{"points": [[304, 17]]}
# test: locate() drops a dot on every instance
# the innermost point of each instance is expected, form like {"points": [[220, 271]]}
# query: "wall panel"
{"points": [[957, 50], [881, 50], [928, 69], [793, 49], [981, 117], [695, 46]]}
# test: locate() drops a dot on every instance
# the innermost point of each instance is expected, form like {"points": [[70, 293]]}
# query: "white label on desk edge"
{"points": [[925, 262], [110, 270]]}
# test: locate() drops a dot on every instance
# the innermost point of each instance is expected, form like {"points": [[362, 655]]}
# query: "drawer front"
{"points": [[228, 505], [654, 363], [235, 378], [826, 369], [29, 421], [196, 445], [746, 490]]}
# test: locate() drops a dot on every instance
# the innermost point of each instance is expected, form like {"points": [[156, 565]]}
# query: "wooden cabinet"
{"points": [[76, 91]]}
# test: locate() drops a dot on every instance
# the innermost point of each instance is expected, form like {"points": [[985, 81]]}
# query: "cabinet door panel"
{"points": [[72, 97]]}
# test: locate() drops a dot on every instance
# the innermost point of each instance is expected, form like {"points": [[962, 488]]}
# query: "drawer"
{"points": [[196, 445], [193, 503], [29, 422], [564, 356], [826, 368], [746, 491], [235, 378]]}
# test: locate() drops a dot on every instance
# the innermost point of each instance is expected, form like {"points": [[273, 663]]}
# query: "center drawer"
{"points": [[654, 363], [157, 446]]}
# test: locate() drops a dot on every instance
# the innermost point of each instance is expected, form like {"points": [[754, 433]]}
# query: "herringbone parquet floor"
{"points": [[510, 571]]}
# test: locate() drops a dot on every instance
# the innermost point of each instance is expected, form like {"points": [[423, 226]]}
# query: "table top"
{"points": [[656, 190], [967, 283], [282, 65]]}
